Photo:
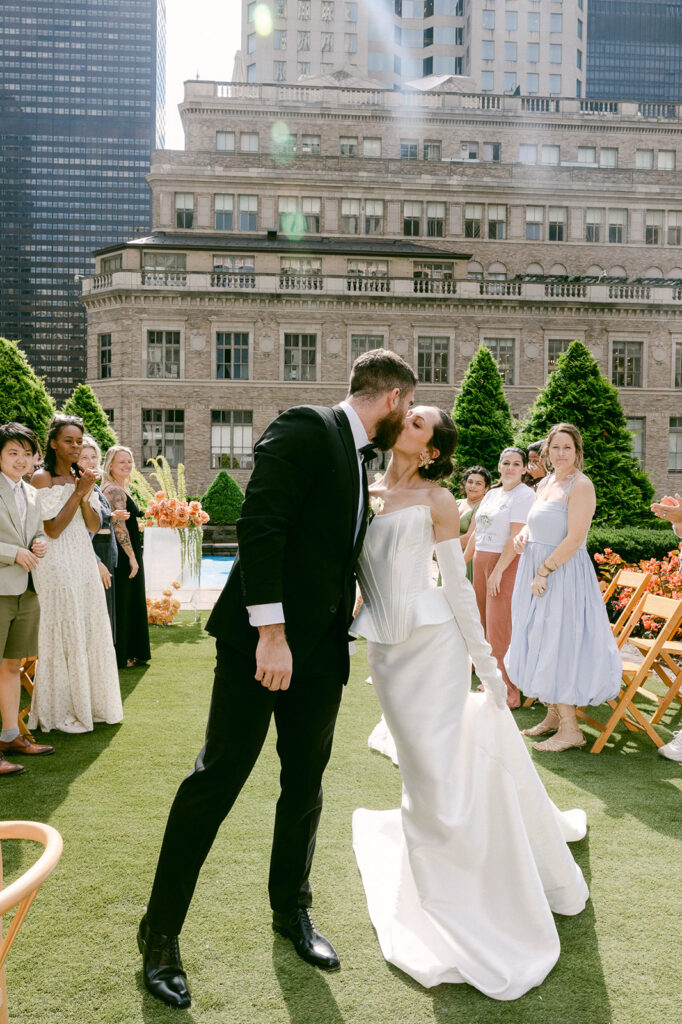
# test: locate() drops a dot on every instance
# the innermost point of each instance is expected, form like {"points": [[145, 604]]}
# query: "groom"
{"points": [[281, 626]]}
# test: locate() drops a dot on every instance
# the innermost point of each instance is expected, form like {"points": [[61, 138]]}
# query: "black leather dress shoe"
{"points": [[308, 943], [164, 975]]}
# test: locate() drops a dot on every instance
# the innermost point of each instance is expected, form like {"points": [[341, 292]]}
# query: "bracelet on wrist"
{"points": [[545, 566], [542, 575]]}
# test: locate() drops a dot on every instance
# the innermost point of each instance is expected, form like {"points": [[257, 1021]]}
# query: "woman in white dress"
{"points": [[461, 882], [76, 679]]}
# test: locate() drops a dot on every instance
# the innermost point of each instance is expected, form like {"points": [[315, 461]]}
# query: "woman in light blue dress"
{"points": [[562, 649]]}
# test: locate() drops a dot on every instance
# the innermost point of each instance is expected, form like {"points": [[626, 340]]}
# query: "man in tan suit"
{"points": [[22, 543]]}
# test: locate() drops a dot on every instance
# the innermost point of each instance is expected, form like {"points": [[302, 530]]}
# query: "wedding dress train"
{"points": [[462, 880]]}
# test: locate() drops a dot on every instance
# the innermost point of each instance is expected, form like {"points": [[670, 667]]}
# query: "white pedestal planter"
{"points": [[163, 565]]}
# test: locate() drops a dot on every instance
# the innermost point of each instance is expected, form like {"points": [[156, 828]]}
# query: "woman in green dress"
{"points": [[476, 480]]}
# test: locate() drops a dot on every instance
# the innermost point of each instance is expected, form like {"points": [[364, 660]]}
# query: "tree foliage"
{"points": [[85, 404], [577, 392], [23, 398], [481, 414], [223, 500]]}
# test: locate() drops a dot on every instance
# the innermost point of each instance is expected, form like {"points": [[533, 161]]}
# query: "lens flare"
{"points": [[282, 143], [262, 20]]}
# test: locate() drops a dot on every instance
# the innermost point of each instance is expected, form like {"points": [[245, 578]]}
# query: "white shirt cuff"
{"points": [[265, 614]]}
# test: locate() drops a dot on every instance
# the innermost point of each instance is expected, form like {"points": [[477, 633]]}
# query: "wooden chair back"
{"points": [[639, 581]]}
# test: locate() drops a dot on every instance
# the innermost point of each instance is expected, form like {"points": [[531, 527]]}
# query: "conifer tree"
{"points": [[223, 500], [577, 392], [23, 397], [481, 414], [84, 403]]}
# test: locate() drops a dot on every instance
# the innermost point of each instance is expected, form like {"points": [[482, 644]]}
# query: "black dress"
{"points": [[132, 630]]}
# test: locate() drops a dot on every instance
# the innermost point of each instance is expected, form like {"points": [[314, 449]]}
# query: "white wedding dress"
{"points": [[461, 882]]}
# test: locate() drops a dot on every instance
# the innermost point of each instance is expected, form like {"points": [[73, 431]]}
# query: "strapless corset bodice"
{"points": [[395, 571]]}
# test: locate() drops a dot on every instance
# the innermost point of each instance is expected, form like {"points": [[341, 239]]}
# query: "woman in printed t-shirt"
{"points": [[500, 516]]}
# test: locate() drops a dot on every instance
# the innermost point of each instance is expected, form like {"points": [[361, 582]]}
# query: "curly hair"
{"points": [[56, 426], [478, 471]]}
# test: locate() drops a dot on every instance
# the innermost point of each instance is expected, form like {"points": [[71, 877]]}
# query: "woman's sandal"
{"points": [[555, 745], [550, 723]]}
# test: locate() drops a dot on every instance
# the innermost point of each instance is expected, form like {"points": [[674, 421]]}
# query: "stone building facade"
{"points": [[303, 225]]}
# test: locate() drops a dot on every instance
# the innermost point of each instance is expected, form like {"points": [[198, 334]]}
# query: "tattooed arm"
{"points": [[116, 497]]}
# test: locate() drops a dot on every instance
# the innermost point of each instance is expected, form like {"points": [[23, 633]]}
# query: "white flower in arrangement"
{"points": [[376, 507]]}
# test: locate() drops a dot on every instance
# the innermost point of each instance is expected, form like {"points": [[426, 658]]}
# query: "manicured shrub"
{"points": [[84, 403], [632, 543], [482, 416], [223, 500], [23, 398], [578, 392]]}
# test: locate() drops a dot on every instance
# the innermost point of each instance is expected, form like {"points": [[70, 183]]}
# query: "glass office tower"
{"points": [[634, 50], [82, 104]]}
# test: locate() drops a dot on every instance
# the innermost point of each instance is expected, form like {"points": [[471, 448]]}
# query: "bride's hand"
{"points": [[497, 689]]}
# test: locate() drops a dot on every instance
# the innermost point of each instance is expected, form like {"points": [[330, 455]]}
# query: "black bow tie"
{"points": [[368, 452]]}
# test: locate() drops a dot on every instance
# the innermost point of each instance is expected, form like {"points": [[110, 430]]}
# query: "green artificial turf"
{"points": [[109, 792]]}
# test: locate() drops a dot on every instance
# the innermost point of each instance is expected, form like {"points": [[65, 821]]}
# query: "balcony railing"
{"points": [[434, 286], [301, 282], [368, 284]]}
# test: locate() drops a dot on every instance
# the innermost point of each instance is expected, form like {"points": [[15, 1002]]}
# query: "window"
{"points": [[580, 29], [653, 227], [594, 219], [550, 154], [675, 445], [350, 42], [231, 439], [303, 41], [666, 160], [224, 207], [636, 425], [432, 150], [412, 214], [290, 217], [491, 152], [248, 142], [303, 68], [163, 354], [533, 53], [303, 10], [374, 273], [350, 12], [163, 433], [279, 71], [473, 215], [251, 42], [361, 343], [435, 220], [163, 263], [644, 159], [511, 20], [433, 357], [618, 226], [300, 357], [557, 223], [502, 351], [674, 228], [528, 154], [678, 364], [251, 73], [350, 216], [608, 157], [487, 81], [488, 49], [554, 85], [488, 19], [556, 23], [248, 213], [327, 42], [232, 355], [587, 155], [555, 53], [374, 216], [104, 344], [235, 271], [497, 221], [310, 145], [109, 413], [280, 39], [433, 278], [509, 81], [327, 10], [533, 22], [348, 145], [310, 207], [626, 364], [224, 142], [532, 84], [510, 51], [555, 348], [469, 150], [184, 209], [409, 149], [251, 13], [579, 59], [371, 148], [534, 219], [110, 264]]}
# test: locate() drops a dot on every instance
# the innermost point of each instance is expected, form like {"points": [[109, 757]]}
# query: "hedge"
{"points": [[632, 543]]}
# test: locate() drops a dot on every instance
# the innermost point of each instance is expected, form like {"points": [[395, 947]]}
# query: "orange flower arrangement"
{"points": [[666, 581], [162, 610], [174, 513]]}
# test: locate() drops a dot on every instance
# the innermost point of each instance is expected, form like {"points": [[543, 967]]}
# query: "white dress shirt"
{"points": [[269, 614]]}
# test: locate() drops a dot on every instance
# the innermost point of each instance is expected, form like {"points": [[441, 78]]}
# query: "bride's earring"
{"points": [[425, 460]]}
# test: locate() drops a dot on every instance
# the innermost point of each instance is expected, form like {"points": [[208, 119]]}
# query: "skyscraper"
{"points": [[635, 50], [82, 86]]}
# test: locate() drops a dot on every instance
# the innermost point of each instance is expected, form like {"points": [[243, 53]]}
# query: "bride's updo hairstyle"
{"points": [[576, 437], [444, 438]]}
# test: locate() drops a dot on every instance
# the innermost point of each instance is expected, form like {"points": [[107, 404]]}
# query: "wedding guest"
{"points": [[476, 481], [536, 469], [562, 649], [670, 509], [76, 680], [104, 541], [132, 630], [22, 544], [500, 516]]}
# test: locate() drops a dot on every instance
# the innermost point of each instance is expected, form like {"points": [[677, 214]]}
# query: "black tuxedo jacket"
{"points": [[296, 532]]}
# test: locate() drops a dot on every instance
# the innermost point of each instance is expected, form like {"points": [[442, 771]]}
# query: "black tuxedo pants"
{"points": [[239, 717]]}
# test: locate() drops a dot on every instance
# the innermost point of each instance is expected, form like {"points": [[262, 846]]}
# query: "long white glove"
{"points": [[461, 598]]}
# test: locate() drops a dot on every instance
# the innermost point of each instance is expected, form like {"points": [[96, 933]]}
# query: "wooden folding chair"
{"points": [[635, 675], [20, 893], [668, 671], [639, 581], [27, 676]]}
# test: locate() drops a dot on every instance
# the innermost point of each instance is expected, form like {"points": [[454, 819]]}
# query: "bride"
{"points": [[461, 882]]}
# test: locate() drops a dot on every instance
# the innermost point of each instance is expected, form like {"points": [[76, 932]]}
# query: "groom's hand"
{"points": [[273, 658]]}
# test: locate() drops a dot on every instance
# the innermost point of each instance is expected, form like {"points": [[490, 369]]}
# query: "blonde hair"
{"points": [[89, 442], [109, 458], [576, 437]]}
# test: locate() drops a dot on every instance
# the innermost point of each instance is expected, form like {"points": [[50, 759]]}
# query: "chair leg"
{"points": [[528, 702], [673, 692]]}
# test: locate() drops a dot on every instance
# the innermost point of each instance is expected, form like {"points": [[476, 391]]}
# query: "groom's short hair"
{"points": [[380, 370]]}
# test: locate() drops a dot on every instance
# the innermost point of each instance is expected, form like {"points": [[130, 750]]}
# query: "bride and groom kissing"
{"points": [[474, 813]]}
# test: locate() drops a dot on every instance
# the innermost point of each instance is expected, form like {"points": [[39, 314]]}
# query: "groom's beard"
{"points": [[389, 430]]}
